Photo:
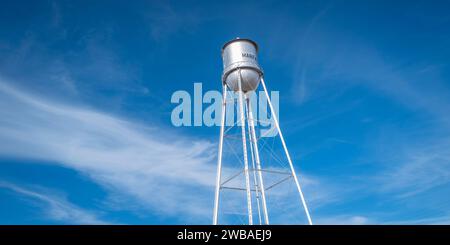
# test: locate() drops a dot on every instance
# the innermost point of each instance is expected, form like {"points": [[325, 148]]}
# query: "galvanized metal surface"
{"points": [[241, 54], [242, 73]]}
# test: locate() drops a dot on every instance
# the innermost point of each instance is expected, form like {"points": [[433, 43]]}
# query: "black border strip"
{"points": [[143, 233]]}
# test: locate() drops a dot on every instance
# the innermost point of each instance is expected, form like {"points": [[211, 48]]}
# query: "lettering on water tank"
{"points": [[247, 55]]}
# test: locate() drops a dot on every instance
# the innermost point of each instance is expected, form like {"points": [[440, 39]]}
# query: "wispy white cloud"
{"points": [[440, 220], [149, 168], [55, 207], [81, 71], [406, 161], [344, 220], [153, 165], [302, 82], [337, 62], [165, 20], [411, 166]]}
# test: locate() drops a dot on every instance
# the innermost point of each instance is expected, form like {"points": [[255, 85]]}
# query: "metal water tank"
{"points": [[241, 54]]}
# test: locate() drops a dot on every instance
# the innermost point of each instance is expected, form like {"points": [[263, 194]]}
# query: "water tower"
{"points": [[241, 76]]}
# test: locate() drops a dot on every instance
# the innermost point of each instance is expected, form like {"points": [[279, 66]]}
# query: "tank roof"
{"points": [[240, 39]]}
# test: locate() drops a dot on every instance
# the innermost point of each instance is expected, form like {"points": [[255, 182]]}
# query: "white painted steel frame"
{"points": [[244, 149], [219, 159], [259, 185], [277, 125], [258, 162]]}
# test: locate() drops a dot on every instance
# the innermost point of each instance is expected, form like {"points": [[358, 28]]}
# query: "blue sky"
{"points": [[85, 88]]}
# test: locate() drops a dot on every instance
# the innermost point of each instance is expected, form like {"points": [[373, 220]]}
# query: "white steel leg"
{"points": [[244, 146], [219, 160], [252, 153], [258, 162], [287, 153]]}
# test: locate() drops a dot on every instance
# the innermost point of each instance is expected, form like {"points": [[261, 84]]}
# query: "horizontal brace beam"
{"points": [[235, 188], [277, 183], [271, 171], [232, 177]]}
